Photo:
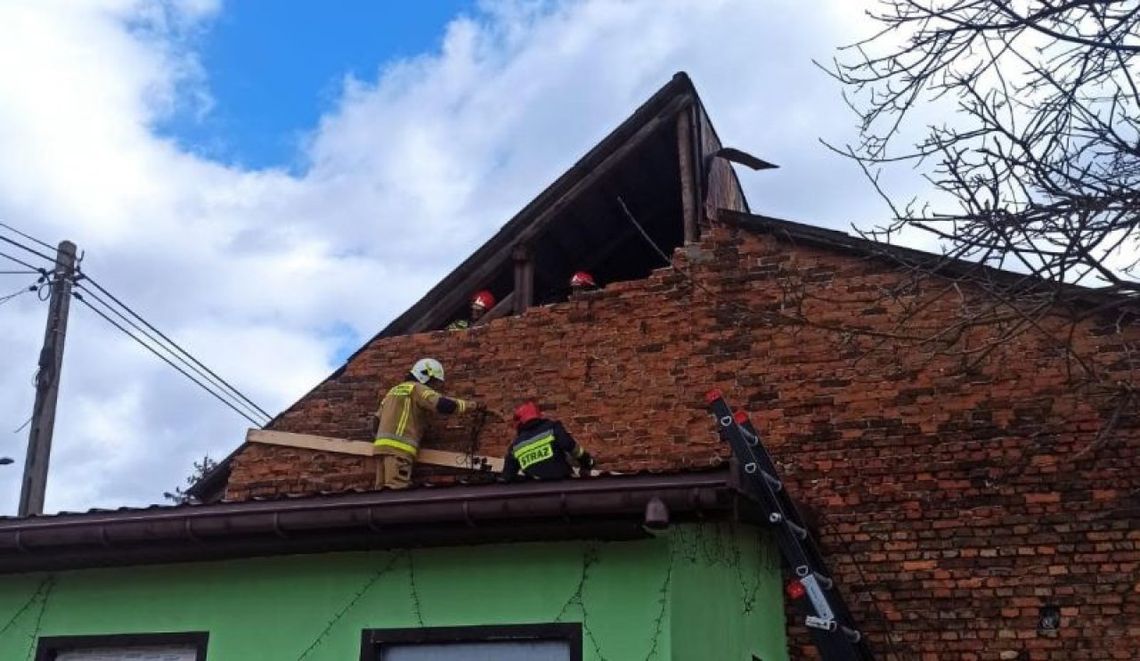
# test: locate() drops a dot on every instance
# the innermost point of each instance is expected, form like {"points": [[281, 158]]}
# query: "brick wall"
{"points": [[955, 502]]}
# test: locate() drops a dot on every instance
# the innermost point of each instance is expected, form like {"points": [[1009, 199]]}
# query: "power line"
{"points": [[28, 236], [166, 360], [147, 335], [219, 381], [23, 263], [31, 250], [18, 292], [244, 401]]}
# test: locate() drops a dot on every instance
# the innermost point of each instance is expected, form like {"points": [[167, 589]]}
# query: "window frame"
{"points": [[371, 640], [49, 647]]}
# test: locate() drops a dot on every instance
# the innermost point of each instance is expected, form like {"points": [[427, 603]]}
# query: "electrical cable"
{"points": [[652, 243], [219, 380], [79, 297], [18, 292], [28, 236], [23, 263], [31, 250], [249, 406], [24, 272]]}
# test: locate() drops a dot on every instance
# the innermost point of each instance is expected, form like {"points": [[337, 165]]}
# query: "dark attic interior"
{"points": [[658, 164]]}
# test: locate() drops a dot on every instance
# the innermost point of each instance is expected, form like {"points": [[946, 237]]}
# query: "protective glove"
{"points": [[585, 464]]}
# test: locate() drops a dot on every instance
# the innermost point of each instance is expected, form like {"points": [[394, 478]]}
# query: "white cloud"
{"points": [[414, 167]]}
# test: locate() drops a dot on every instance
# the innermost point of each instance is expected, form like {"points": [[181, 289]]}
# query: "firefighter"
{"points": [[543, 448], [402, 417], [582, 281], [481, 302]]}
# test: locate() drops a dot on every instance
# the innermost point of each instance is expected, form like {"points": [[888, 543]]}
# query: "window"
{"points": [[124, 647], [524, 642]]}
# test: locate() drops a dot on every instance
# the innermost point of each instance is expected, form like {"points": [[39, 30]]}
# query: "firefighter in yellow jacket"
{"points": [[402, 418]]}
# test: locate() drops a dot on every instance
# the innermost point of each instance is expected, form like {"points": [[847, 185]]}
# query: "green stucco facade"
{"points": [[700, 592]]}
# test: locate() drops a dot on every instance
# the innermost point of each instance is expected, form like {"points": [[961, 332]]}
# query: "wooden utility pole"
{"points": [[47, 384]]}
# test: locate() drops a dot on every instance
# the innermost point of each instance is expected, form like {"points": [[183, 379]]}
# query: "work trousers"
{"points": [[393, 470]]}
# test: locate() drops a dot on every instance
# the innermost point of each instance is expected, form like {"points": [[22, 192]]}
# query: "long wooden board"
{"points": [[365, 449]]}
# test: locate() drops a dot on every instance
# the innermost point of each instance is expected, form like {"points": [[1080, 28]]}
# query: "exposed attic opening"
{"points": [[591, 232], [665, 162]]}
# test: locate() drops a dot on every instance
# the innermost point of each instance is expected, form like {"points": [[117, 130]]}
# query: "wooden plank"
{"points": [[501, 308], [689, 202], [524, 278], [366, 449], [309, 442]]}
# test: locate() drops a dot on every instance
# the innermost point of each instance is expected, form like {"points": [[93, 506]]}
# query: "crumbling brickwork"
{"points": [[956, 501]]}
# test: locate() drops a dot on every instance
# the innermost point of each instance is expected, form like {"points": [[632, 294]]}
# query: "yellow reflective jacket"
{"points": [[403, 415]]}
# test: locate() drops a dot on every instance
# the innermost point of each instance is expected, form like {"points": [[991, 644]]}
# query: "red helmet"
{"points": [[582, 279], [526, 412], [483, 299]]}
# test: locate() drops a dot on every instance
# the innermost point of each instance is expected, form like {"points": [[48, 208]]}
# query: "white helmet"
{"points": [[427, 369]]}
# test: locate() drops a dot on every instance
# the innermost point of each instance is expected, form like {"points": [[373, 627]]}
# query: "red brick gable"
{"points": [[951, 502]]}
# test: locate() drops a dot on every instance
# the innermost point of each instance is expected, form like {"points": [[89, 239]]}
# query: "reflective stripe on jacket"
{"points": [[403, 415], [531, 450], [542, 450]]}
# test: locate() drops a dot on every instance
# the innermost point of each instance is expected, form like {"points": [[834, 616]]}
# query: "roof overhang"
{"points": [[602, 508]]}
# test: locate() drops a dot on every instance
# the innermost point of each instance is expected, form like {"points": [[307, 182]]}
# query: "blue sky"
{"points": [[273, 68]]}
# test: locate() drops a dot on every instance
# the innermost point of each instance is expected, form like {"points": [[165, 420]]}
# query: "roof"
{"points": [[928, 262], [610, 507], [653, 116], [638, 139]]}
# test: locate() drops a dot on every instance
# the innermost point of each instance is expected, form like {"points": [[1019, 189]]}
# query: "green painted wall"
{"points": [[635, 598], [727, 597]]}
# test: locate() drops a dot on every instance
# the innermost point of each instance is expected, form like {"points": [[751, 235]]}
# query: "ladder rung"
{"points": [[825, 582], [777, 518], [761, 482]]}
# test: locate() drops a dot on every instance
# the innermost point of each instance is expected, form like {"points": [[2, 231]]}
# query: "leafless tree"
{"points": [[1042, 159], [1034, 160]]}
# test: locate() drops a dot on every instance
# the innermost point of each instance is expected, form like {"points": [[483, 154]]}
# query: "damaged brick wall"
{"points": [[956, 502]]}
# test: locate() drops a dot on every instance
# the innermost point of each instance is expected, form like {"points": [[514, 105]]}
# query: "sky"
{"points": [[249, 175]]}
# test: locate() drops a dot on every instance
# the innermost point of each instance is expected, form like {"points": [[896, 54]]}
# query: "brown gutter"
{"points": [[605, 508]]}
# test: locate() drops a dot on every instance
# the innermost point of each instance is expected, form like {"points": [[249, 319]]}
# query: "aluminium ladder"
{"points": [[811, 587]]}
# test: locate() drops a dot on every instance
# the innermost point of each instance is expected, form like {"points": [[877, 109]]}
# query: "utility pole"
{"points": [[47, 383]]}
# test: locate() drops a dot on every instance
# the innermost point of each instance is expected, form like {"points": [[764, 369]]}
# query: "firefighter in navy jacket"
{"points": [[543, 448]]}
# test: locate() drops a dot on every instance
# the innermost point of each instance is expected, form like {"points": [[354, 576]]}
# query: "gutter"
{"points": [[601, 508]]}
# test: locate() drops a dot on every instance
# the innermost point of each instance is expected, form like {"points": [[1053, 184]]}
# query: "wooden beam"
{"points": [[524, 278], [686, 155], [434, 316], [366, 449], [502, 308]]}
